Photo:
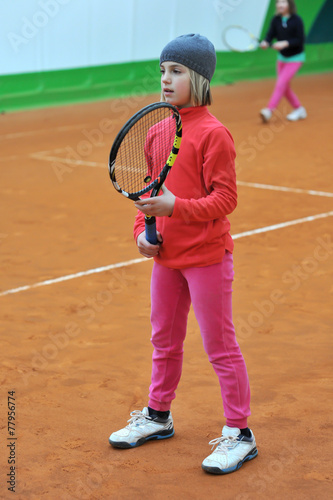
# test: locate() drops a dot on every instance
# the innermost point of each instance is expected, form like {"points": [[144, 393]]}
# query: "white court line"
{"points": [[12, 158], [39, 156], [43, 155], [282, 225], [136, 261], [73, 276], [286, 189], [64, 128]]}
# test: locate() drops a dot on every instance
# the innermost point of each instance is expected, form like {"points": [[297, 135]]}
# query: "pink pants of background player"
{"points": [[285, 73]]}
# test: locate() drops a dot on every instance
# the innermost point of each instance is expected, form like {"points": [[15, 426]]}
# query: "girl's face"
{"points": [[176, 84], [282, 7]]}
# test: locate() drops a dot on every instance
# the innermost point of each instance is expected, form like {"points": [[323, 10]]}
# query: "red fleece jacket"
{"points": [[203, 179]]}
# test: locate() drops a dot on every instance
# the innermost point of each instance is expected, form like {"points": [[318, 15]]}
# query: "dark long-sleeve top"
{"points": [[291, 30]]}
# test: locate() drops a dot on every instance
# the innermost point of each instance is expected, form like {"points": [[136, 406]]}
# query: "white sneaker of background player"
{"points": [[266, 114], [297, 114]]}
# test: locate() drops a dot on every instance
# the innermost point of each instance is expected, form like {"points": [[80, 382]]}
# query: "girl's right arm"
{"points": [[298, 39], [271, 33]]}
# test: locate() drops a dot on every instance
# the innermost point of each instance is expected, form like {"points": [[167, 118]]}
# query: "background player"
{"points": [[287, 28]]}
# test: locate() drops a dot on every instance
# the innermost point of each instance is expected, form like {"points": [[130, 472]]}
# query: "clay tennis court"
{"points": [[75, 347]]}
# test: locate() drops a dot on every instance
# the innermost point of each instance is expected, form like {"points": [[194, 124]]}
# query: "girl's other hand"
{"points": [[264, 44], [160, 206], [283, 44], [147, 249]]}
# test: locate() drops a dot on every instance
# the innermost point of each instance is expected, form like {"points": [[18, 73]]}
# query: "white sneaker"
{"points": [[266, 114], [142, 428], [232, 450], [297, 114]]}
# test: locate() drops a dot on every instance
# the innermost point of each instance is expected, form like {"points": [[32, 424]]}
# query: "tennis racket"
{"points": [[239, 39], [143, 153]]}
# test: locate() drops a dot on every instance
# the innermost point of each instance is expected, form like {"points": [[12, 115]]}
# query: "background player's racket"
{"points": [[143, 153], [239, 39]]}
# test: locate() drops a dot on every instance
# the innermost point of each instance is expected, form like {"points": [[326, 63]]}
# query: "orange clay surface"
{"points": [[77, 353]]}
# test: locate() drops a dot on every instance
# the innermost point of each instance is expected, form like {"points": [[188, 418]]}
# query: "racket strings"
{"points": [[239, 39], [144, 150]]}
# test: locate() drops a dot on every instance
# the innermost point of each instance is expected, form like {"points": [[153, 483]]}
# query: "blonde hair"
{"points": [[200, 89]]}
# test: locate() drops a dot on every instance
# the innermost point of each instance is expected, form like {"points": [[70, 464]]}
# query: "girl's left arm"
{"points": [[298, 39], [219, 178]]}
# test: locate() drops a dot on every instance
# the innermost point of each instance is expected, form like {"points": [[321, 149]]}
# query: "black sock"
{"points": [[161, 414], [246, 432]]}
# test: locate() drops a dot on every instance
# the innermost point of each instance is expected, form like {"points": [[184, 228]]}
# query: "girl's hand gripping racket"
{"points": [[143, 153]]}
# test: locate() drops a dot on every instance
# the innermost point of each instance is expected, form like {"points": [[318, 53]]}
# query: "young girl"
{"points": [[193, 262], [287, 28]]}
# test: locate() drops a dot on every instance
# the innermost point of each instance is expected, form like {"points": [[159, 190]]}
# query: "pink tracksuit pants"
{"points": [[210, 291], [285, 73]]}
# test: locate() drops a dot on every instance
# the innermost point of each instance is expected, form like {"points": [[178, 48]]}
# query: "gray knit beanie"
{"points": [[194, 51]]}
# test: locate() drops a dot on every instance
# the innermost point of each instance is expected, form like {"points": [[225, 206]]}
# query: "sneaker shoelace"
{"points": [[137, 418], [223, 443]]}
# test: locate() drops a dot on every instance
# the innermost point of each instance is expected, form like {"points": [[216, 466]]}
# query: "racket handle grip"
{"points": [[151, 235]]}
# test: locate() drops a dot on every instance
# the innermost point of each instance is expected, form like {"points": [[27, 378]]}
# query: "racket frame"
{"points": [[156, 184], [248, 32]]}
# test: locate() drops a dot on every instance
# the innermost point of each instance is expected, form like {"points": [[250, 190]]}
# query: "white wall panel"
{"points": [[41, 35]]}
